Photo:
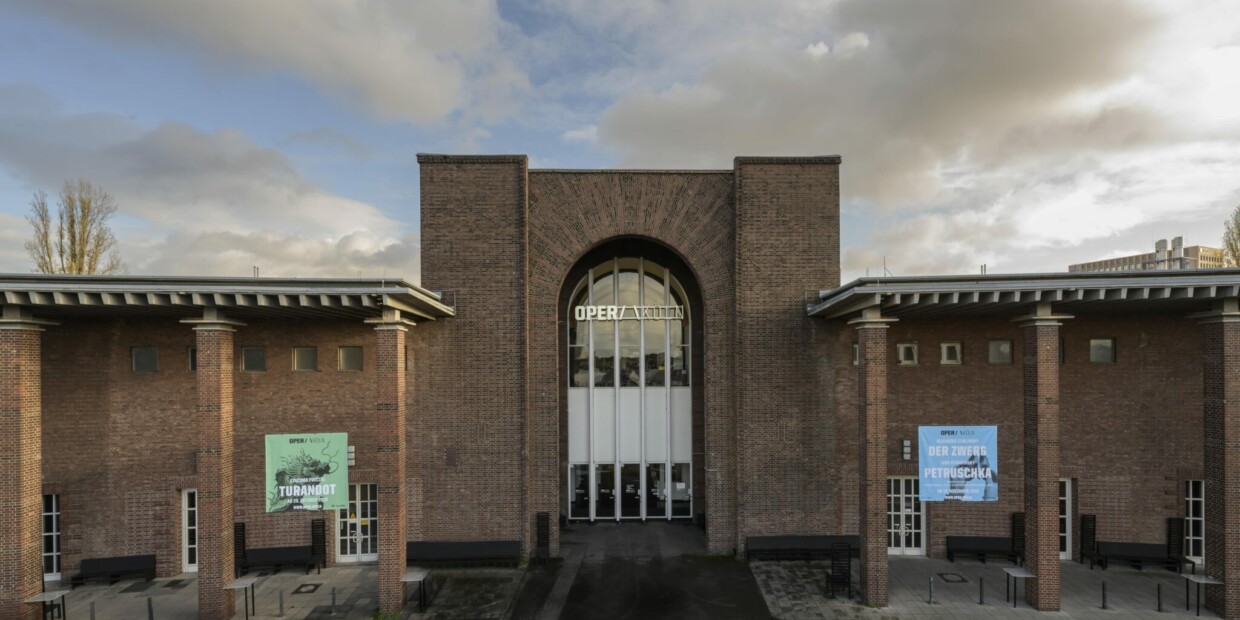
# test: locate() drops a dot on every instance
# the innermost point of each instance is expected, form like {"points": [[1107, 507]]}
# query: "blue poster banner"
{"points": [[958, 463]]}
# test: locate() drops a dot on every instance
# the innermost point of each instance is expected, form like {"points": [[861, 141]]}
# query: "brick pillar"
{"points": [[390, 423], [1040, 361], [872, 413], [216, 481], [21, 460], [1222, 459]]}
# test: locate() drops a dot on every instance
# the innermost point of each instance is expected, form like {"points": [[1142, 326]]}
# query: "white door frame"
{"points": [[362, 515], [1065, 517], [186, 566], [909, 516]]}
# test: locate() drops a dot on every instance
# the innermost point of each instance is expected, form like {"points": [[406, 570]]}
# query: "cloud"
{"points": [[328, 138], [415, 61], [971, 131], [206, 203], [588, 134]]}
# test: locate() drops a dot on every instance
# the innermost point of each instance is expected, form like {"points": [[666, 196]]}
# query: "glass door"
{"points": [[1065, 519], [189, 530], [905, 522], [358, 527]]}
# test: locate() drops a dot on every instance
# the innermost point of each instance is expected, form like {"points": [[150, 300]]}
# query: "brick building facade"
{"points": [[772, 401]]}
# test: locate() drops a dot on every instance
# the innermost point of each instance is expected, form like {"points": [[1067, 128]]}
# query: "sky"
{"points": [[1022, 135]]}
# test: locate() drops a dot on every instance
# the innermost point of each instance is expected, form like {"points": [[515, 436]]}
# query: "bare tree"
{"points": [[1231, 239], [79, 241]]}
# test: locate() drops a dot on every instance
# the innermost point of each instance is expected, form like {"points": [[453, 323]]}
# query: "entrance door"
{"points": [[358, 527], [189, 530], [905, 523], [1065, 519]]}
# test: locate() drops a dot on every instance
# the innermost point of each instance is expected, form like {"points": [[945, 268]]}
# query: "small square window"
{"points": [[1102, 350], [305, 358], [350, 358], [254, 359], [1000, 351], [906, 352], [949, 353], [145, 359], [193, 359], [856, 354]]}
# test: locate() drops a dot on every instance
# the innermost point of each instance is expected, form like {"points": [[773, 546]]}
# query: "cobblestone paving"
{"points": [[797, 591]]}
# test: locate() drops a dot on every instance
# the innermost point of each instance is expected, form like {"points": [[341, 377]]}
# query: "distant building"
{"points": [[1161, 259]]}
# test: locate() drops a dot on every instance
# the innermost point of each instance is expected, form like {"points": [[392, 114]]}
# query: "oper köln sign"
{"points": [[958, 463], [307, 472], [629, 313]]}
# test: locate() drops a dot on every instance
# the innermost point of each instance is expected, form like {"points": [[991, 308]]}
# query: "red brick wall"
{"points": [[1222, 439], [1128, 476], [120, 446], [21, 561]]}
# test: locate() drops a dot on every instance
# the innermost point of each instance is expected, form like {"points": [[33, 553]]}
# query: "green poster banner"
{"points": [[307, 472]]}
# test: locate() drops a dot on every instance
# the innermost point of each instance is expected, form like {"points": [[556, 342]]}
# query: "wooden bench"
{"points": [[1137, 555], [464, 552], [798, 547], [981, 547], [114, 568], [277, 558]]}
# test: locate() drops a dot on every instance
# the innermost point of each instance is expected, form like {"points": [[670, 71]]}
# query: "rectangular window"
{"points": [[906, 352], [1000, 351], [305, 358], [949, 353], [51, 537], [189, 530], [856, 354], [145, 359], [350, 358], [1102, 350], [1195, 520], [193, 359], [254, 359]]}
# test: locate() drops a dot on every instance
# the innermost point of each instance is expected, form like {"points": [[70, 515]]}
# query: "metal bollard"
{"points": [[1159, 589], [281, 603], [333, 607], [932, 590], [92, 610], [150, 609], [1104, 595], [981, 590]]}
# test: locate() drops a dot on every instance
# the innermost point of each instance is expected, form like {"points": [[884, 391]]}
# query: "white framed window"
{"points": [[1102, 350], [1000, 351], [51, 538], [906, 353], [350, 358], [189, 530], [1195, 520], [145, 359], [1065, 518], [254, 359], [949, 353], [856, 348], [305, 358]]}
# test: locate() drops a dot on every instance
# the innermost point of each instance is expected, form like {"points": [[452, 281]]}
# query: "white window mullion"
{"points": [[51, 537]]}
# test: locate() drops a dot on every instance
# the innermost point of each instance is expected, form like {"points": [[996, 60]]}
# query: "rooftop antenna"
{"points": [[255, 271], [885, 271]]}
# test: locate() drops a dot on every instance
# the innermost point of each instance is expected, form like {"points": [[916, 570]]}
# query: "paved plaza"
{"points": [[657, 570]]}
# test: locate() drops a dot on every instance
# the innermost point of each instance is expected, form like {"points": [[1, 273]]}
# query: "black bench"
{"points": [[468, 552], [798, 547], [114, 568], [1137, 555], [277, 558], [981, 547]]}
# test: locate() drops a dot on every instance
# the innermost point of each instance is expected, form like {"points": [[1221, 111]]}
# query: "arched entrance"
{"points": [[632, 445]]}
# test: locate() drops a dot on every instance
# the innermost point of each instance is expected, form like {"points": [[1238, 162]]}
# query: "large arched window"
{"points": [[629, 399]]}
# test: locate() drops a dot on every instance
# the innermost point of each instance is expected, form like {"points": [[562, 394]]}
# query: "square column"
{"points": [[1222, 459], [1040, 360], [216, 478], [21, 460], [392, 490], [872, 418]]}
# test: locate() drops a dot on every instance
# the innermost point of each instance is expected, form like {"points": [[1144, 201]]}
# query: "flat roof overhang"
{"points": [[60, 296], [1184, 292]]}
